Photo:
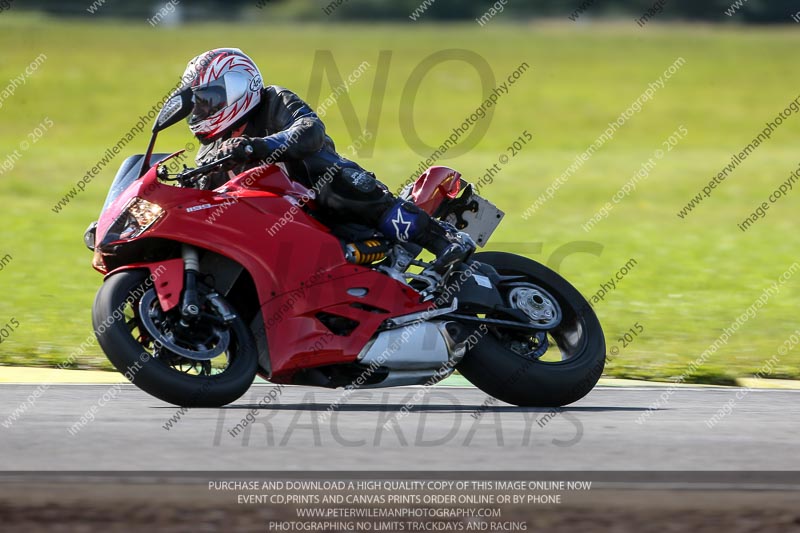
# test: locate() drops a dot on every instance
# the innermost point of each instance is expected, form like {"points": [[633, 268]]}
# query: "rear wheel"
{"points": [[204, 364], [558, 365]]}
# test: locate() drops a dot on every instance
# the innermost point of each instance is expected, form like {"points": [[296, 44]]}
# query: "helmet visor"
{"points": [[208, 100]]}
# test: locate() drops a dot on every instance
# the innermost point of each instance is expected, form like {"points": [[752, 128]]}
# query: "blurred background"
{"points": [[753, 11], [75, 78]]}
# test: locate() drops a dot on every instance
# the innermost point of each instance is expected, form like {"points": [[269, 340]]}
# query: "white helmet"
{"points": [[226, 85]]}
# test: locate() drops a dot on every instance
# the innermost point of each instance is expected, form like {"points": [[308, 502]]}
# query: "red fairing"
{"points": [[298, 266], [267, 179], [298, 339], [167, 277], [434, 186]]}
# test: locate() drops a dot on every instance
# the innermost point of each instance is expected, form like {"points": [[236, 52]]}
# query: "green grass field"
{"points": [[693, 277]]}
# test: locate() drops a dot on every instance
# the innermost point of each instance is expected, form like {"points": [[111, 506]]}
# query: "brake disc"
{"points": [[150, 312]]}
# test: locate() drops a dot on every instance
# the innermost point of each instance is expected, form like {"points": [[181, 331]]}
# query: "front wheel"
{"points": [[206, 364], [559, 364]]}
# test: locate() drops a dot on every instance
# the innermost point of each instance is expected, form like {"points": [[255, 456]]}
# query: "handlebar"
{"points": [[188, 175], [202, 169]]}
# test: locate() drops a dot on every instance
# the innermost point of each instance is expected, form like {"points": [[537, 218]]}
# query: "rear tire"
{"points": [[154, 376], [529, 382]]}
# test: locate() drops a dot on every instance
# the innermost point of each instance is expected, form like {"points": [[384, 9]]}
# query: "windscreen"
{"points": [[127, 174]]}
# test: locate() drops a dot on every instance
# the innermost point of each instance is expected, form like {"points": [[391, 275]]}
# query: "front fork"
{"points": [[175, 282], [190, 302]]}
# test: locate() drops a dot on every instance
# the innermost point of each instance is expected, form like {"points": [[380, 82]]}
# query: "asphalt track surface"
{"points": [[125, 471], [449, 428]]}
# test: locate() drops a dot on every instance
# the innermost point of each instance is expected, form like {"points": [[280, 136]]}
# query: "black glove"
{"points": [[237, 147]]}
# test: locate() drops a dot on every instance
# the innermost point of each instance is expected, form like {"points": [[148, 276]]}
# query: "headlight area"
{"points": [[137, 216]]}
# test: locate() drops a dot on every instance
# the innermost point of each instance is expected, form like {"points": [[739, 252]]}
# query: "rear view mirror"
{"points": [[178, 107]]}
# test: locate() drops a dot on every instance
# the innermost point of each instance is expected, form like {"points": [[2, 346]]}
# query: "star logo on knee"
{"points": [[401, 226]]}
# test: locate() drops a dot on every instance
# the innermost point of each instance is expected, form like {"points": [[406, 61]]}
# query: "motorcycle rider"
{"points": [[235, 114]]}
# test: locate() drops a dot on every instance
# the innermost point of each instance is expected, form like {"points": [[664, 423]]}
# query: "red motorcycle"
{"points": [[205, 289]]}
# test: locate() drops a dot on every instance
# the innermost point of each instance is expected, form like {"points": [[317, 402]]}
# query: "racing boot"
{"points": [[449, 245], [405, 222]]}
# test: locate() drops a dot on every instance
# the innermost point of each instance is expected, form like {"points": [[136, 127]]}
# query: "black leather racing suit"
{"points": [[296, 138]]}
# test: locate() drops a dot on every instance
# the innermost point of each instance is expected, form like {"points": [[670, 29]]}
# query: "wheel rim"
{"points": [[562, 337], [536, 303]]}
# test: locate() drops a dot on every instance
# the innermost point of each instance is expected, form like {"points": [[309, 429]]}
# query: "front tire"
{"points": [[120, 335], [530, 381]]}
